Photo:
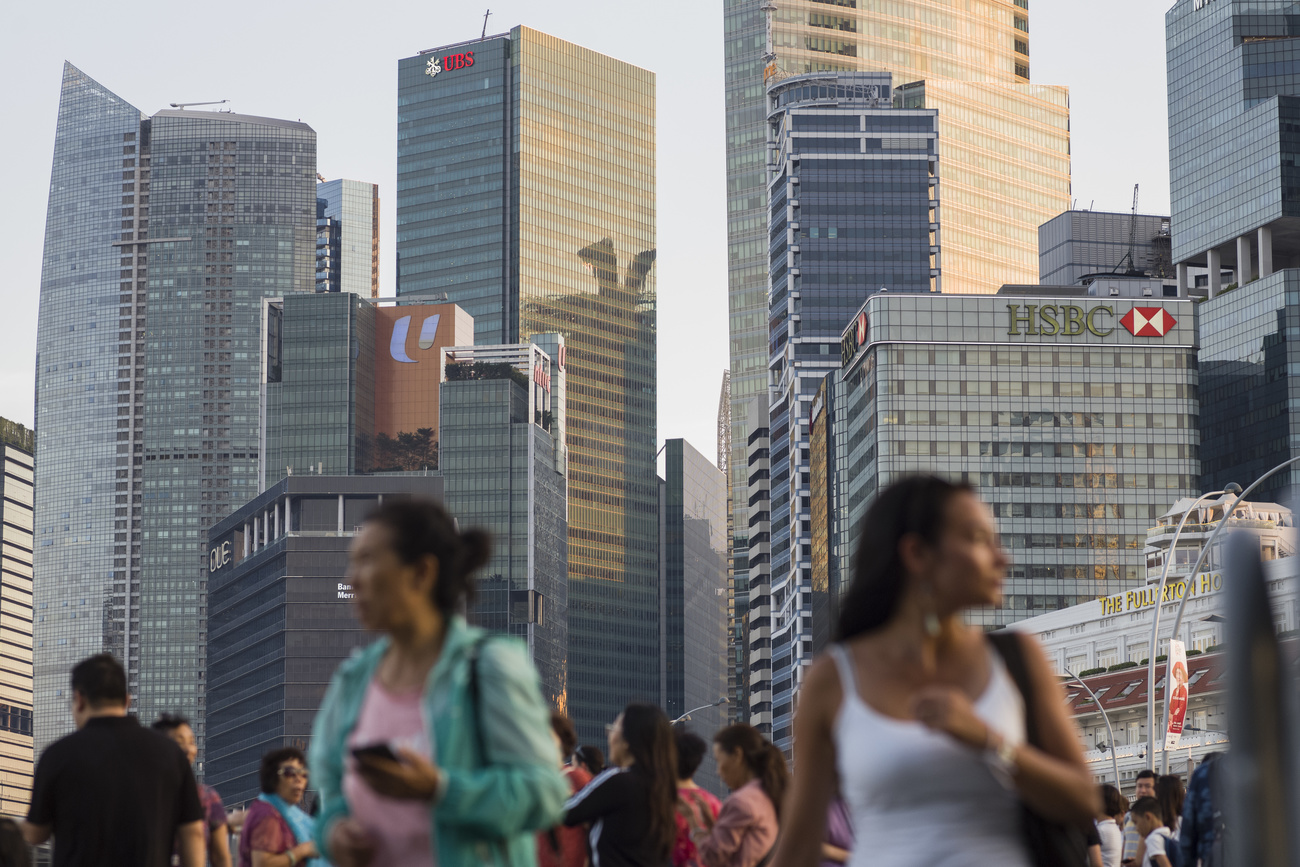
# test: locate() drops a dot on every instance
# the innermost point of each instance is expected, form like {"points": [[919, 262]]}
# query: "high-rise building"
{"points": [[17, 756], [854, 209], [351, 385], [694, 618], [281, 614], [526, 195], [1076, 244], [163, 235], [1240, 215], [347, 237], [754, 595], [1003, 146], [503, 463], [1074, 417]]}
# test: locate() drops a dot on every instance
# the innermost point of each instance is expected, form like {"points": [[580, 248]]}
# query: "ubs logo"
{"points": [[452, 61], [402, 327]]}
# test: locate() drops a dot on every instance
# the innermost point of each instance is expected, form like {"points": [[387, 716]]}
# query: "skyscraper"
{"points": [[695, 664], [854, 209], [1004, 146], [526, 195], [501, 451], [347, 237], [1078, 243], [17, 446], [1240, 214], [163, 235]]}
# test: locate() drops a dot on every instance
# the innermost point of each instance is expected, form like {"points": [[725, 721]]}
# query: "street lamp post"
{"points": [[1155, 620], [686, 716], [1182, 605], [1110, 733]]}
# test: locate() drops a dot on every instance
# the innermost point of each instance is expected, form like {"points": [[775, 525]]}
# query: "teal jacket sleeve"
{"points": [[521, 788], [326, 764]]}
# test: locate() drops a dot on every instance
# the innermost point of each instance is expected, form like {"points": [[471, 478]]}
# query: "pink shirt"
{"points": [[402, 829], [745, 831]]}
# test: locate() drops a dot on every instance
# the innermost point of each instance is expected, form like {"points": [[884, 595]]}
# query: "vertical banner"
{"points": [[1176, 689]]}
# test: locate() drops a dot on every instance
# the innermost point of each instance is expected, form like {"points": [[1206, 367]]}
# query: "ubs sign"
{"points": [[436, 65]]}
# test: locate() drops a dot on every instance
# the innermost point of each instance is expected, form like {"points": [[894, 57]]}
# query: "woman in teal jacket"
{"points": [[432, 745]]}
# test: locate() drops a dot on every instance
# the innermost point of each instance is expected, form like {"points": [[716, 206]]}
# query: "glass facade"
{"points": [[503, 468], [695, 588], [1077, 243], [347, 237], [17, 756], [526, 193], [1076, 422], [233, 221], [1250, 403], [351, 386], [1004, 146], [1234, 106], [854, 208], [90, 329], [280, 617]]}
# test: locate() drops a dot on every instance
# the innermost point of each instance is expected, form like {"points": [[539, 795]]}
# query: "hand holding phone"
{"points": [[375, 751]]}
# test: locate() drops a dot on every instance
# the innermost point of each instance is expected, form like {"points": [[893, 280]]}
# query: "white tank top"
{"points": [[918, 797]]}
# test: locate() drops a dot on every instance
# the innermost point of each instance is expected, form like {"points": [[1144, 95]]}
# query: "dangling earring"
{"points": [[930, 623]]}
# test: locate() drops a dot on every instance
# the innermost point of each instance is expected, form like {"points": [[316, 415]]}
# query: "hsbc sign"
{"points": [[1073, 320]]}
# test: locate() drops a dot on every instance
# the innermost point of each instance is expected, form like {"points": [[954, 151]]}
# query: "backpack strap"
{"points": [[475, 696], [1011, 648]]}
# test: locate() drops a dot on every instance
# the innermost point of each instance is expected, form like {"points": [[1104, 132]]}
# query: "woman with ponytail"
{"points": [[756, 773], [951, 748], [631, 806], [432, 745]]}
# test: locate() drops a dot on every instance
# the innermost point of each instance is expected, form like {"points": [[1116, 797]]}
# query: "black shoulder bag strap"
{"points": [[1051, 844]]}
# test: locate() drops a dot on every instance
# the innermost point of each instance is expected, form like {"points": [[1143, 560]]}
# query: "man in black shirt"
{"points": [[113, 792]]}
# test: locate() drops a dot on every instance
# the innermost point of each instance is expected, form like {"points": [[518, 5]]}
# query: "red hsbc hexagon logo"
{"points": [[1148, 321]]}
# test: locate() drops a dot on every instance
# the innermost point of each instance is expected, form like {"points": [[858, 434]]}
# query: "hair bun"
{"points": [[475, 549]]}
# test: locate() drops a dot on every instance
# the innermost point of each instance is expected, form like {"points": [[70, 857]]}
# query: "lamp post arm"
{"points": [[1110, 733], [1178, 617], [687, 715], [1155, 630]]}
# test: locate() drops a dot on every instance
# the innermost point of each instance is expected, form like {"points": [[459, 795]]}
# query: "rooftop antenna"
{"points": [[182, 105], [485, 18]]}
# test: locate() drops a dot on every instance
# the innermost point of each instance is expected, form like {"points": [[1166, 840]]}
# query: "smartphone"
{"points": [[375, 751]]}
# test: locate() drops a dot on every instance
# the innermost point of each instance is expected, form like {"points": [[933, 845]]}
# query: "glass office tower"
{"points": [[1242, 214], [696, 669], [854, 209], [1004, 146], [191, 218], [501, 447], [347, 237], [526, 195]]}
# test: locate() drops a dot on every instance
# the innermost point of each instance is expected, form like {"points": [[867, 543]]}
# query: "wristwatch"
{"points": [[293, 859], [1001, 755]]}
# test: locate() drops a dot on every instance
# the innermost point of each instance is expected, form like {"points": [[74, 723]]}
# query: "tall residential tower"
{"points": [[526, 195]]}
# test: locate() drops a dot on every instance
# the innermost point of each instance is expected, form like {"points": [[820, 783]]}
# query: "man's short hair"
{"points": [[269, 774], [1145, 774], [169, 722], [100, 680], [690, 752], [1146, 807]]}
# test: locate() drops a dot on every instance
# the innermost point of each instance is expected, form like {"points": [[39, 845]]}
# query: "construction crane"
{"points": [[183, 105], [1132, 239]]}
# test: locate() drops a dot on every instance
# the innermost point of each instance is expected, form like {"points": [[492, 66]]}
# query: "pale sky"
{"points": [[334, 66]]}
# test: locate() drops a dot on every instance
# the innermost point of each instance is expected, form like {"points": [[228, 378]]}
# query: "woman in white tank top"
{"points": [[914, 712]]}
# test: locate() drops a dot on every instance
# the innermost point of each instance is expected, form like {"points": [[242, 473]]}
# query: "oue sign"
{"points": [[219, 557]]}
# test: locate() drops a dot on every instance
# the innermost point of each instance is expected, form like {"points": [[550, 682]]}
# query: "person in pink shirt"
{"points": [[755, 771]]}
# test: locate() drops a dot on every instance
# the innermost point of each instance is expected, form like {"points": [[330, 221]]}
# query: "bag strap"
{"points": [[475, 697], [1010, 646]]}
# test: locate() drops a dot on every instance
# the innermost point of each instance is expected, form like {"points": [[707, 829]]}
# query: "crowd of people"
{"points": [[919, 740]]}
